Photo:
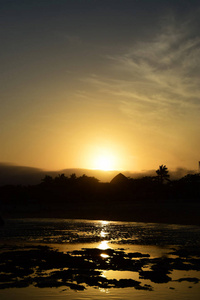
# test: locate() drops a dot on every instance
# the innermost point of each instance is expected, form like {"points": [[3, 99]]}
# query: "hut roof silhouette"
{"points": [[119, 179]]}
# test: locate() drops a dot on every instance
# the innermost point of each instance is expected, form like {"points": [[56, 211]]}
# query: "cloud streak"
{"points": [[160, 75]]}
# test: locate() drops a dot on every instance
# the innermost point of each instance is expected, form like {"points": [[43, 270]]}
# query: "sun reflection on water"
{"points": [[103, 255], [103, 233], [106, 291], [103, 245], [104, 222]]}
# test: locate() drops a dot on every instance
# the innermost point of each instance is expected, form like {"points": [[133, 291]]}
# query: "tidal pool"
{"points": [[82, 259]]}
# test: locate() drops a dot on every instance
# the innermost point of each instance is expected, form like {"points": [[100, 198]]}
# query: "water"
{"points": [[82, 259]]}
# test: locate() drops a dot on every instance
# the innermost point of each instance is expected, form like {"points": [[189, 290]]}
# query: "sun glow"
{"points": [[105, 156], [105, 161]]}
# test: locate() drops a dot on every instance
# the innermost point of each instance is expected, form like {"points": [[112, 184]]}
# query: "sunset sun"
{"points": [[104, 159], [104, 163]]}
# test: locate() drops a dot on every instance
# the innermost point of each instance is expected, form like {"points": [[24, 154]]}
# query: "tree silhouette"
{"points": [[47, 180], [162, 174], [61, 179], [73, 177]]}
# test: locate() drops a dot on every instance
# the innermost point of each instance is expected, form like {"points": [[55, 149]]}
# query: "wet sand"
{"points": [[86, 257], [44, 267]]}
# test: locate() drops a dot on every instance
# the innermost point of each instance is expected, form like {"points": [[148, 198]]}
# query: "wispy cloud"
{"points": [[156, 77]]}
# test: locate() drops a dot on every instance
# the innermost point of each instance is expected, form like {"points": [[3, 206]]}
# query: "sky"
{"points": [[100, 84]]}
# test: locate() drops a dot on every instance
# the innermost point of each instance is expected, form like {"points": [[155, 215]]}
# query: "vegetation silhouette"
{"points": [[150, 198], [162, 174]]}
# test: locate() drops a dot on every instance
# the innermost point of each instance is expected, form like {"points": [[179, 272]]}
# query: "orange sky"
{"points": [[100, 86]]}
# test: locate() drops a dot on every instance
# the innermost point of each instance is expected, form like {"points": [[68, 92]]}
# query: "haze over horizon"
{"points": [[25, 175], [111, 85]]}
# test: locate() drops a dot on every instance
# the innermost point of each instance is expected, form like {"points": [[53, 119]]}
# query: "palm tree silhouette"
{"points": [[162, 173]]}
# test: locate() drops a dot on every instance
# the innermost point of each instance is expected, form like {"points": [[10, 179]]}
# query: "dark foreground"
{"points": [[169, 212], [147, 199]]}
